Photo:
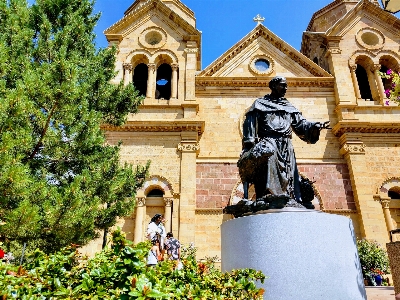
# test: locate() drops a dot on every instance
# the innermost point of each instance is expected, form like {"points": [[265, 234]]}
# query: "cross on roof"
{"points": [[258, 19]]}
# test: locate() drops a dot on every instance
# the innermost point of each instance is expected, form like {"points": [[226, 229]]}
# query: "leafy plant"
{"points": [[392, 93], [120, 272], [374, 259]]}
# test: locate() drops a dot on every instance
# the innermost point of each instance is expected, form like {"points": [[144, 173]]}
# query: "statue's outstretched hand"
{"points": [[324, 125]]}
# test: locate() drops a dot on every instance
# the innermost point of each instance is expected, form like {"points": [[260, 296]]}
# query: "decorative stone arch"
{"points": [[156, 182], [237, 194], [360, 53], [141, 55], [166, 81], [389, 206], [132, 60], [387, 185], [164, 56], [163, 204], [389, 58], [365, 76], [139, 62]]}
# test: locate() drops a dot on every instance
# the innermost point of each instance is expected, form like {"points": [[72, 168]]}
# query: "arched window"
{"points": [[163, 82], [155, 193], [140, 75], [394, 193], [363, 83], [316, 60]]}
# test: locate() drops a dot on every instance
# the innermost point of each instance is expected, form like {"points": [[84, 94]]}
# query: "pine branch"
{"points": [[46, 127]]}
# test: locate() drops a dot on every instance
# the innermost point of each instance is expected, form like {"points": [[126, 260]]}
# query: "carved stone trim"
{"points": [[191, 50], [174, 67], [353, 148], [333, 45], [340, 211], [375, 67], [385, 203], [141, 9], [141, 201], [189, 147], [144, 37], [365, 127], [158, 126], [261, 31], [268, 58], [325, 82], [152, 67], [374, 35], [127, 66], [168, 201], [209, 211], [353, 68]]}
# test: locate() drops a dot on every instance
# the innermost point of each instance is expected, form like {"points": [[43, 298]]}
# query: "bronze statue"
{"points": [[268, 160]]}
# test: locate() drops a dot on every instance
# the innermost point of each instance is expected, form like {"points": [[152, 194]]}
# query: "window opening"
{"points": [[140, 75], [155, 193], [163, 82], [394, 193], [262, 64], [363, 83]]}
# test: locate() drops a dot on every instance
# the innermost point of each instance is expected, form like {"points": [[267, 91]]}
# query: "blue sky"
{"points": [[225, 22]]}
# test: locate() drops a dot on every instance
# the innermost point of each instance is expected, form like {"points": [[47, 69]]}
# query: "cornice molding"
{"points": [[158, 126], [209, 211], [274, 40], [327, 82], [321, 12], [365, 127], [143, 9], [341, 211], [369, 10]]}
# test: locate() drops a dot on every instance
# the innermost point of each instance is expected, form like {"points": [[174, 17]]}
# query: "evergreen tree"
{"points": [[60, 183]]}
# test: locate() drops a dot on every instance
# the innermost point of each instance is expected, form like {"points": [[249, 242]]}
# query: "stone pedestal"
{"points": [[393, 250], [307, 255]]}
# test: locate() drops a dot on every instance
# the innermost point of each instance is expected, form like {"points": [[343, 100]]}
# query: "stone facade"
{"points": [[189, 125]]}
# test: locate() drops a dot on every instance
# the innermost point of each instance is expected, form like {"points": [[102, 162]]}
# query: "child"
{"points": [[154, 253]]}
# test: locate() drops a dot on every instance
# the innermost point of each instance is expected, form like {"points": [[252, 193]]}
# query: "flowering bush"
{"points": [[374, 260], [392, 93], [121, 273]]}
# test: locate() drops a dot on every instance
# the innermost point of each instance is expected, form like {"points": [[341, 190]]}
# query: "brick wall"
{"points": [[332, 182], [215, 182]]}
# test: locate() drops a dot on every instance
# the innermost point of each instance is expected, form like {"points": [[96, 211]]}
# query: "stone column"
{"points": [[355, 81], [375, 69], [191, 65], [151, 81], [386, 212], [168, 213], [372, 221], [188, 148], [140, 213], [174, 83], [127, 73], [338, 67]]}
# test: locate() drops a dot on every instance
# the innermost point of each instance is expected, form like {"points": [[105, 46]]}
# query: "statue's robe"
{"points": [[267, 137]]}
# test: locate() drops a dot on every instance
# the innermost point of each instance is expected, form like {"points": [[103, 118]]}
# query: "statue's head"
{"points": [[278, 86]]}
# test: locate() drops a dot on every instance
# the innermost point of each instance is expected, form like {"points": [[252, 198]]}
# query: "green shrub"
{"points": [[120, 272], [374, 259]]}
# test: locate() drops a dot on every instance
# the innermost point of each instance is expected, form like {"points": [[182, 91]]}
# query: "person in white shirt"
{"points": [[153, 229]]}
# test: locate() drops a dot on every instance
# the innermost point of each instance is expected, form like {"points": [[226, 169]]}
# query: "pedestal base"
{"points": [[306, 254]]}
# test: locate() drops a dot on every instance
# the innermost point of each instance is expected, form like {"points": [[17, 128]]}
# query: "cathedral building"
{"points": [[190, 123]]}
